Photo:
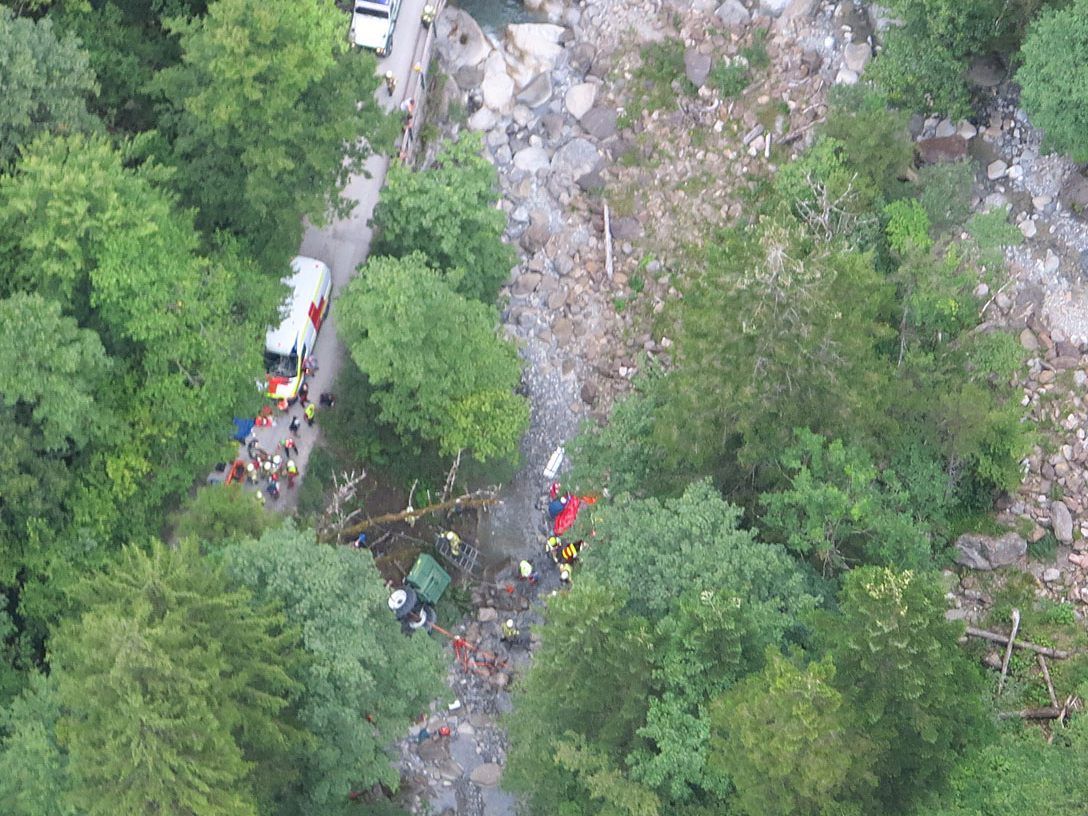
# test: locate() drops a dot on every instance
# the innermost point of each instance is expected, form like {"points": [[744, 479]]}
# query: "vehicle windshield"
{"points": [[277, 365], [372, 12]]}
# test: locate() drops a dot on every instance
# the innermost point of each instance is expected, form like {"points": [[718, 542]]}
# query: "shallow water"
{"points": [[494, 15]]}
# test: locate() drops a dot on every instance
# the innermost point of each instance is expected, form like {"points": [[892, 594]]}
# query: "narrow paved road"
{"points": [[344, 244]]}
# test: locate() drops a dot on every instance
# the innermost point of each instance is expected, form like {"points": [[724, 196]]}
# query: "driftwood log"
{"points": [[997, 637], [1008, 649], [1045, 713], [482, 498]]}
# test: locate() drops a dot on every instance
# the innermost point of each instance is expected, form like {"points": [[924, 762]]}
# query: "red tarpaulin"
{"points": [[565, 520]]}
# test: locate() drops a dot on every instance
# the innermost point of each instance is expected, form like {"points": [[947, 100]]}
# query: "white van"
{"points": [[288, 345], [372, 24]]}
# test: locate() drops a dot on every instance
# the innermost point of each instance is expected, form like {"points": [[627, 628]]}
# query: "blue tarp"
{"points": [[242, 428]]}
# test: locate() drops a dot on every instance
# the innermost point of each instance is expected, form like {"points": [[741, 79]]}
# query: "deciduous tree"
{"points": [[364, 682], [447, 211], [439, 368]]}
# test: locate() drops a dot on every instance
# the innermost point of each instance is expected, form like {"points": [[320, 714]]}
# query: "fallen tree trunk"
{"points": [[482, 499], [1008, 649], [1046, 713], [997, 637]]}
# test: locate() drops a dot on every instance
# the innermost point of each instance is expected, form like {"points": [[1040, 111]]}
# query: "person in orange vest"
{"points": [[289, 447]]}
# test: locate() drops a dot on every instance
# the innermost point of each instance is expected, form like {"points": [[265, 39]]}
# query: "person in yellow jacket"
{"points": [[310, 413], [509, 630], [454, 541]]}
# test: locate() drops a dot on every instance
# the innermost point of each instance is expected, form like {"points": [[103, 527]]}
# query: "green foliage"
{"points": [[217, 514], [756, 53], [268, 115], [838, 508], [918, 697], [921, 74], [363, 683], [653, 550], [447, 212], [787, 741], [773, 332], [566, 748], [436, 364], [994, 356], [1053, 91], [33, 768], [652, 83], [946, 194], [908, 226], [47, 81], [729, 79], [171, 687], [871, 138], [990, 232], [937, 291]]}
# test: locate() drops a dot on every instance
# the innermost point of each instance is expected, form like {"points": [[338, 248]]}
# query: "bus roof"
{"points": [[305, 284]]}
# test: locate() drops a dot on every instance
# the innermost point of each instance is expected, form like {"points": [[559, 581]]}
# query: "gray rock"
{"points": [[485, 614], [1074, 193], [536, 235], [581, 56], [846, 77], [576, 158], [996, 169], [531, 159], [626, 228], [773, 7], [553, 124], [1028, 228], [1028, 340], [1051, 574], [460, 40], [486, 775], [1061, 522], [468, 76], [503, 155], [537, 92], [986, 72], [579, 99], [525, 285], [796, 10], [986, 552], [945, 128], [600, 123], [589, 393], [733, 14], [696, 67], [591, 181], [857, 55]]}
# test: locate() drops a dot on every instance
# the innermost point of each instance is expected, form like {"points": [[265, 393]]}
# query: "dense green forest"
{"points": [[759, 627]]}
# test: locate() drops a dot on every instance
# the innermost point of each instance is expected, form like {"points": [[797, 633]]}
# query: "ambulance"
{"points": [[289, 344]]}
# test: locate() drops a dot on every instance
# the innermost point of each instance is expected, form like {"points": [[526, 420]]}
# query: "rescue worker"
{"points": [[304, 393], [565, 574], [454, 541], [553, 545], [251, 473], [289, 447], [277, 465], [296, 423], [390, 82], [509, 631], [260, 498], [569, 553], [526, 571], [292, 473], [311, 412], [327, 399], [273, 487], [428, 15]]}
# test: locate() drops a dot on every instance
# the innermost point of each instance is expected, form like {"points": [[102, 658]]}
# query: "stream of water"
{"points": [[494, 15]]}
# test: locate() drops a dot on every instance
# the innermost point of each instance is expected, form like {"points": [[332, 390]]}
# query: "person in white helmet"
{"points": [[509, 630], [390, 82], [454, 541]]}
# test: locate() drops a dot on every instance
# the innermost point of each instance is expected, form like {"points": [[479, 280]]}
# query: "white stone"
{"points": [[846, 77], [856, 56], [966, 130], [498, 91], [1041, 202], [483, 120], [1051, 574], [1028, 228], [996, 170], [531, 159], [536, 42], [773, 7], [580, 98], [460, 40], [1016, 172]]}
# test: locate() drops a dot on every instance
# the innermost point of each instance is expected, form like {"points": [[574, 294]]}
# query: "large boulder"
{"points": [[531, 159], [576, 158], [857, 55], [498, 91], [536, 46], [981, 552], [773, 7], [600, 123], [696, 67], [941, 150], [1061, 521], [580, 99], [459, 39], [537, 92], [486, 775], [733, 14]]}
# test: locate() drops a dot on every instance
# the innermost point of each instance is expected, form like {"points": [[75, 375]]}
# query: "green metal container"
{"points": [[429, 579]]}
